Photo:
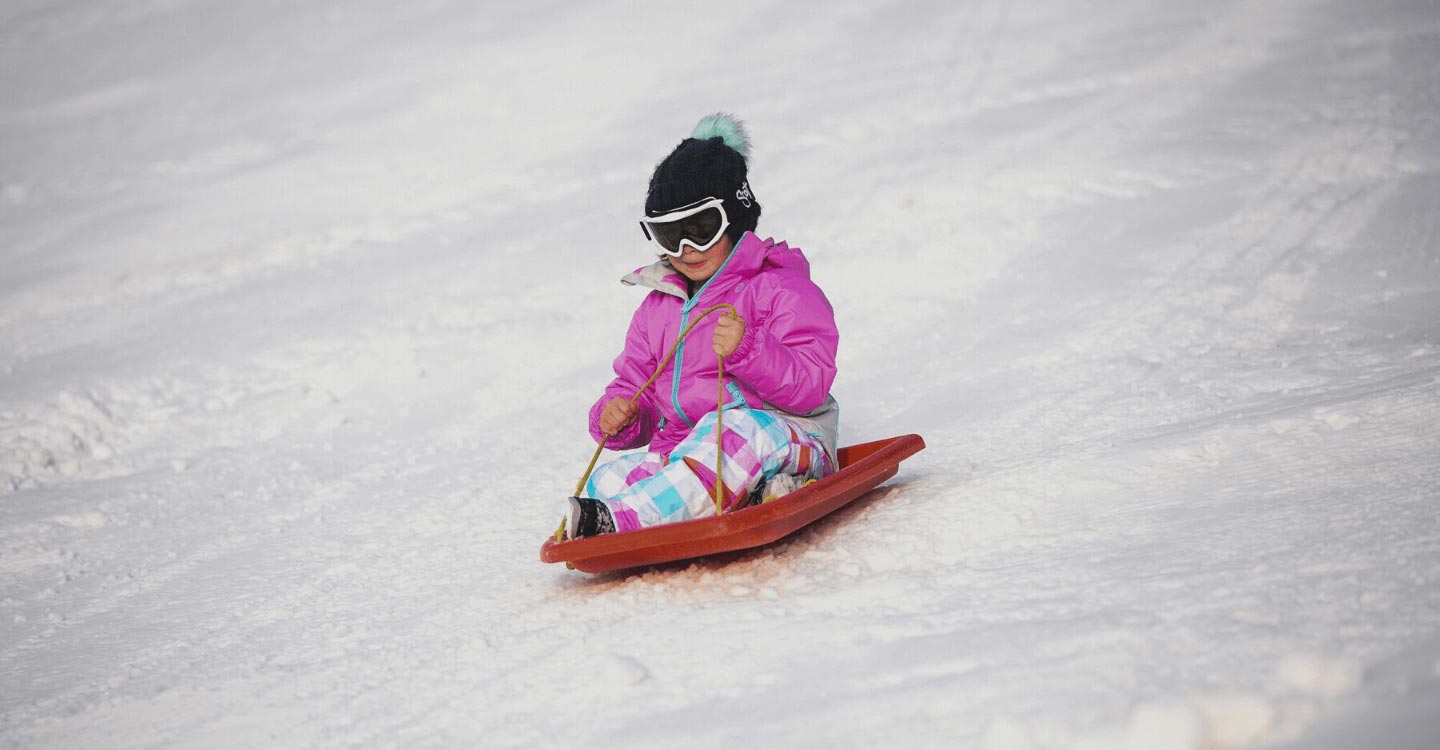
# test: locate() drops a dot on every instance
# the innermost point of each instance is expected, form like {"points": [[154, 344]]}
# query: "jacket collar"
{"points": [[658, 275], [751, 256]]}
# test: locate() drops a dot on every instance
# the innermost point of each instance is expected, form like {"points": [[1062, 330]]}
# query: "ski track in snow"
{"points": [[302, 310]]}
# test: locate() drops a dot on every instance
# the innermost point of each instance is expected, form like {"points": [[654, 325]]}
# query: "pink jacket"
{"points": [[785, 362]]}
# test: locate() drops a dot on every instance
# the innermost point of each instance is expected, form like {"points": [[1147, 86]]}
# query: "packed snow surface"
{"points": [[302, 306]]}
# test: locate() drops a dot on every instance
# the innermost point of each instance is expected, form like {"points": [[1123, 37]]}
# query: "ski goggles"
{"points": [[699, 225]]}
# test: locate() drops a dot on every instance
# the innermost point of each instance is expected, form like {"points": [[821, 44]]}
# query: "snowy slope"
{"points": [[302, 307]]}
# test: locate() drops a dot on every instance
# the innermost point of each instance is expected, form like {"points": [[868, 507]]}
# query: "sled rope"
{"points": [[719, 414]]}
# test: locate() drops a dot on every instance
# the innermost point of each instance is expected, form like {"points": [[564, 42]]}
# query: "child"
{"points": [[779, 418]]}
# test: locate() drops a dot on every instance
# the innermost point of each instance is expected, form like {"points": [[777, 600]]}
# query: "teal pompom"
{"points": [[726, 127]]}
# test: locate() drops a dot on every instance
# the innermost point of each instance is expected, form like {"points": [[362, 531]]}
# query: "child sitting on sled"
{"points": [[779, 420]]}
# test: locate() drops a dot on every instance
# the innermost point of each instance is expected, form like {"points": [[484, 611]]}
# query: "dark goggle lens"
{"points": [[699, 229], [702, 227], [668, 234]]}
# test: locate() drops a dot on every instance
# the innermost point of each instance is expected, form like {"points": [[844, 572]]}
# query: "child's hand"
{"points": [[728, 333], [617, 415]]}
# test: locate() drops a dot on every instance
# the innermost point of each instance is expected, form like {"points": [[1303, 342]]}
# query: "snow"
{"points": [[302, 308]]}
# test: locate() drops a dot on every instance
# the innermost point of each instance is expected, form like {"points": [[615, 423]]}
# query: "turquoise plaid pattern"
{"points": [[646, 489]]}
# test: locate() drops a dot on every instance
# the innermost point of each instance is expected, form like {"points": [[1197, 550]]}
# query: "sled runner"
{"points": [[862, 468]]}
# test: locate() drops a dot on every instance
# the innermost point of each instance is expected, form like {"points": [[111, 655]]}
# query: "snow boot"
{"points": [[589, 517], [778, 486]]}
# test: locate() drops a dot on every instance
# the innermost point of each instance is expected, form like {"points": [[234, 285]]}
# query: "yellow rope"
{"points": [[719, 412], [720, 431]]}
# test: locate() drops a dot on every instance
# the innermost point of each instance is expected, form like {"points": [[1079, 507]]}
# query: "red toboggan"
{"points": [[862, 468]]}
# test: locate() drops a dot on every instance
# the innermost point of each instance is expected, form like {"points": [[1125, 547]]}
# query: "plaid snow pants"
{"points": [[645, 489]]}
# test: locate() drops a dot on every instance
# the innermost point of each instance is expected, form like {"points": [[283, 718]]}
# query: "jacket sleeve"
{"points": [[633, 367], [789, 355]]}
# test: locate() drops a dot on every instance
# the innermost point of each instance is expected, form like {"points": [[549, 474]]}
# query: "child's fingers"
{"points": [[618, 414], [726, 340]]}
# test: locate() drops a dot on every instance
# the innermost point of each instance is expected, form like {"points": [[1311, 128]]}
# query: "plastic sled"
{"points": [[862, 468]]}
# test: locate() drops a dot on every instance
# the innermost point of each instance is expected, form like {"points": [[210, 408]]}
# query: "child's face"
{"points": [[701, 266]]}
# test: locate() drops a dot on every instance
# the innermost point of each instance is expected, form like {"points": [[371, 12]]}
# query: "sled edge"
{"points": [[864, 467]]}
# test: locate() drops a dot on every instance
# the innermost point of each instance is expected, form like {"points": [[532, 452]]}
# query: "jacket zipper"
{"points": [[684, 320]]}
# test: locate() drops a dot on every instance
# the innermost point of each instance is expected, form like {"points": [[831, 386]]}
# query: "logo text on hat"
{"points": [[743, 194]]}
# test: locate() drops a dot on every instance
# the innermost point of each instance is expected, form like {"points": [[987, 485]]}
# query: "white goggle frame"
{"points": [[682, 213]]}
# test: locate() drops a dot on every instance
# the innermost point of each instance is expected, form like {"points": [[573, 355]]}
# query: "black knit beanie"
{"points": [[708, 164]]}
